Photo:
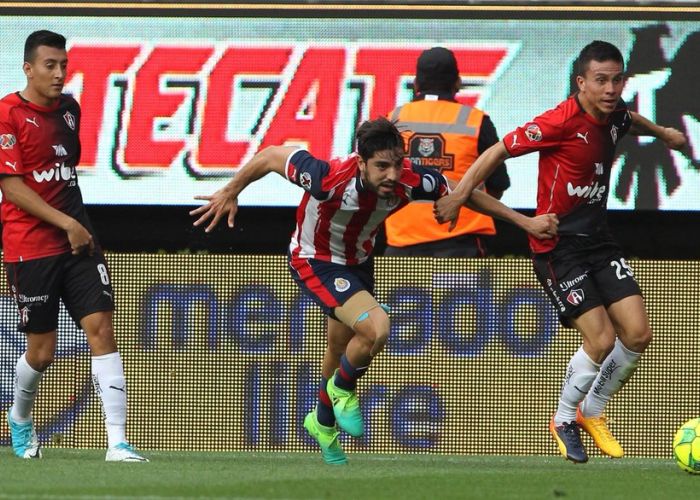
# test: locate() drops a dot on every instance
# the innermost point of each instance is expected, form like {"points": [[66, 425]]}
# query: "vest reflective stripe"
{"points": [[458, 127]]}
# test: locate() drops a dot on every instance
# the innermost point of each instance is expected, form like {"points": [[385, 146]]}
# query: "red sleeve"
{"points": [[543, 132], [10, 157]]}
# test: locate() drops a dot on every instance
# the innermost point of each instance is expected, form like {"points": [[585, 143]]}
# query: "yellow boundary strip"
{"points": [[350, 7]]}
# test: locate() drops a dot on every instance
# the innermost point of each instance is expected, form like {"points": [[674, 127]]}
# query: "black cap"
{"points": [[436, 69]]}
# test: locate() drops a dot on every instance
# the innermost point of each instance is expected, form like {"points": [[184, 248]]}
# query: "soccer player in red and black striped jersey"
{"points": [[49, 248], [330, 255], [582, 270]]}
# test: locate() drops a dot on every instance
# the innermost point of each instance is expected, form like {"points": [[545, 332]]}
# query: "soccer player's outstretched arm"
{"points": [[541, 227], [447, 208], [224, 202], [672, 137], [18, 193]]}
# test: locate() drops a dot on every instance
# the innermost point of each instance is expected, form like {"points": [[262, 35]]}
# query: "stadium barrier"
{"points": [[223, 353]]}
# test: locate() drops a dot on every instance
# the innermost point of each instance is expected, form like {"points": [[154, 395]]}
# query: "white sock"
{"points": [[616, 369], [26, 384], [110, 385], [579, 376]]}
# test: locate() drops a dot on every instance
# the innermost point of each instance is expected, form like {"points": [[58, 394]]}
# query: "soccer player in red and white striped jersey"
{"points": [[330, 254]]}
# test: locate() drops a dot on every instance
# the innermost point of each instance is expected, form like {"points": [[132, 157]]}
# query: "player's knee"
{"points": [[646, 338], [365, 339], [40, 360], [374, 326], [101, 338], [383, 328], [104, 332], [336, 347], [640, 340]]}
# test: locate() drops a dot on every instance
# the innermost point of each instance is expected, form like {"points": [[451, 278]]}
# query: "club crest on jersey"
{"points": [[575, 297], [7, 141], [426, 146], [341, 284], [70, 119], [533, 132], [613, 133], [305, 180]]}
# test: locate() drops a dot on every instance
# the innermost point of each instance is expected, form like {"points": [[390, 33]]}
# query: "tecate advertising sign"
{"points": [[173, 107]]}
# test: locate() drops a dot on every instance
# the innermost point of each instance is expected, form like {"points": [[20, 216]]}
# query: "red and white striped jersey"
{"points": [[338, 217]]}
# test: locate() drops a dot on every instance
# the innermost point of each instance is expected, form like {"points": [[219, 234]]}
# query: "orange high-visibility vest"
{"points": [[442, 135]]}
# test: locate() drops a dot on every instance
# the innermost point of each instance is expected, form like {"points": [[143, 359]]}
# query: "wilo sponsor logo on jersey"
{"points": [[60, 173], [592, 192]]}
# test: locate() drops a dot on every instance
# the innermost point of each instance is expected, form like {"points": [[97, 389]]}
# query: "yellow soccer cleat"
{"points": [[597, 428]]}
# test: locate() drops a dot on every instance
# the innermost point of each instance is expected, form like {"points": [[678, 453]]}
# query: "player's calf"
{"points": [[346, 406]]}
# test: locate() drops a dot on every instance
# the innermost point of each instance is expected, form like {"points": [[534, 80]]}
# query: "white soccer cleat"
{"points": [[25, 443], [123, 452]]}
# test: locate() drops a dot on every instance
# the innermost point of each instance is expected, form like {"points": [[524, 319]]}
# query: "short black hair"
{"points": [[378, 135], [436, 70], [597, 51], [42, 37]]}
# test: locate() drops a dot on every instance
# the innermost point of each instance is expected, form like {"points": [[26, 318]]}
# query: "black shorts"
{"points": [[578, 278], [330, 285], [81, 281]]}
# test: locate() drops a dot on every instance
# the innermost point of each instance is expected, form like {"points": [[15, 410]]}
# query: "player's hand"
{"points": [[446, 209], [543, 227], [79, 238], [674, 138], [218, 204]]}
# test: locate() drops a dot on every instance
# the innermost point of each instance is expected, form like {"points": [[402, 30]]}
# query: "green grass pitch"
{"points": [[83, 474]]}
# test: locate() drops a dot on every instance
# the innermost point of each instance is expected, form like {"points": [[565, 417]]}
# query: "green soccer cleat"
{"points": [[346, 408], [327, 439], [25, 444]]}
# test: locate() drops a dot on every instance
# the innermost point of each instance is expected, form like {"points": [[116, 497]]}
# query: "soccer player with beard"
{"points": [[330, 254], [582, 270], [49, 248]]}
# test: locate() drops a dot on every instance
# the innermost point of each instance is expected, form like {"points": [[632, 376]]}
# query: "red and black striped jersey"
{"points": [[42, 146], [576, 156]]}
